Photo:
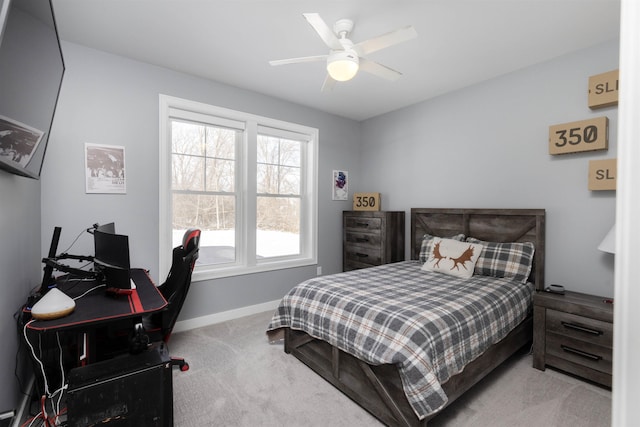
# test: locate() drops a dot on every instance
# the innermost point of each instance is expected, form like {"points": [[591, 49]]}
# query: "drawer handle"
{"points": [[361, 255], [362, 240], [581, 353], [581, 328], [362, 224]]}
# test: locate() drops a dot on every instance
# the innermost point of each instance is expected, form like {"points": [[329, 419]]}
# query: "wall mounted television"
{"points": [[31, 72]]}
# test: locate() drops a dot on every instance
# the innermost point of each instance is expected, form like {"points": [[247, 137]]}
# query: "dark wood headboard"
{"points": [[494, 225]]}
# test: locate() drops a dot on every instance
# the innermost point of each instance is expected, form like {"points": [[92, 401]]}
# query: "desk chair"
{"points": [[159, 326]]}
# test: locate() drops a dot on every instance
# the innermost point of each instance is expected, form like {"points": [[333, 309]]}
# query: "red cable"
{"points": [[43, 409]]}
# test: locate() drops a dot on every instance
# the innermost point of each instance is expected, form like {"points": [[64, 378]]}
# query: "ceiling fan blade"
{"points": [[324, 31], [389, 39], [379, 70], [328, 84], [299, 60]]}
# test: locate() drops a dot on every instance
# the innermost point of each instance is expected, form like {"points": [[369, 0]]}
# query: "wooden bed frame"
{"points": [[378, 388]]}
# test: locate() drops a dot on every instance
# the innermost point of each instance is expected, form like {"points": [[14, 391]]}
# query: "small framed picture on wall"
{"points": [[104, 169], [340, 185]]}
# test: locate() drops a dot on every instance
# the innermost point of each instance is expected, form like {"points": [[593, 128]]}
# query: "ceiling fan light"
{"points": [[343, 65]]}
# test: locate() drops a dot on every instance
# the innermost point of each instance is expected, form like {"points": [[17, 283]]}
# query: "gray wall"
{"points": [[20, 267], [19, 270], [486, 146], [108, 99]]}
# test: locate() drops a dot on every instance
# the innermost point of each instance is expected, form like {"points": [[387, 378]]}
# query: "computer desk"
{"points": [[98, 308]]}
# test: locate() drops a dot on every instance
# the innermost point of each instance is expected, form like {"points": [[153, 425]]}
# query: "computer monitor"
{"points": [[106, 228], [112, 257]]}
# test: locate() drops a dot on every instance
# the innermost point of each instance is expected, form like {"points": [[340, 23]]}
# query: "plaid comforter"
{"points": [[429, 324]]}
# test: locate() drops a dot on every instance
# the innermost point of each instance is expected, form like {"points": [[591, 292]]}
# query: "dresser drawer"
{"points": [[363, 255], [363, 239], [359, 223], [580, 352], [371, 238], [580, 328], [355, 265]]}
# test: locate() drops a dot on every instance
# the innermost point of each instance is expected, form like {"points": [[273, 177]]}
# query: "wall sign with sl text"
{"points": [[575, 137], [602, 174], [603, 89], [366, 201]]}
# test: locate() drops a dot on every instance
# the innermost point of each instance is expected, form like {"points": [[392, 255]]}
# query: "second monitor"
{"points": [[111, 257]]}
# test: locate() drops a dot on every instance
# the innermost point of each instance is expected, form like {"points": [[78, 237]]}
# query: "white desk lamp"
{"points": [[608, 244]]}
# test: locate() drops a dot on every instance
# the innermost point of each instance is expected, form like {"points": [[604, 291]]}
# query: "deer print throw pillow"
{"points": [[427, 245], [452, 257]]}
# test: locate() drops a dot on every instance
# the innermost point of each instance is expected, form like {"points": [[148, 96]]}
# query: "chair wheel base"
{"points": [[180, 363]]}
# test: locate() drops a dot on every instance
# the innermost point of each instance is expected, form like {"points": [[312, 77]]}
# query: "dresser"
{"points": [[371, 238], [574, 332]]}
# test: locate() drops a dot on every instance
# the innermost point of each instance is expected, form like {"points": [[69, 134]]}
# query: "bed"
{"points": [[405, 365]]}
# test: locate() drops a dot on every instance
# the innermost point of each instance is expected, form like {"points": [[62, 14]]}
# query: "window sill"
{"points": [[200, 275]]}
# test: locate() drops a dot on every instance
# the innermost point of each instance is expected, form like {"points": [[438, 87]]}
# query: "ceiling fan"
{"points": [[345, 58]]}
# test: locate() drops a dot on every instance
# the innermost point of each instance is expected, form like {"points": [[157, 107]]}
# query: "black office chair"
{"points": [[159, 326], [126, 337]]}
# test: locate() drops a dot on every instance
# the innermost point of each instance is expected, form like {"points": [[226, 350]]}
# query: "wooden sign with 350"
{"points": [[574, 137], [366, 201]]}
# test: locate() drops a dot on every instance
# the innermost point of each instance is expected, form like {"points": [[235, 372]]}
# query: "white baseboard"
{"points": [[212, 319]]}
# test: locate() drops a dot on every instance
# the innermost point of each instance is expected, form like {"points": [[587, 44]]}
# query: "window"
{"points": [[248, 182], [278, 196]]}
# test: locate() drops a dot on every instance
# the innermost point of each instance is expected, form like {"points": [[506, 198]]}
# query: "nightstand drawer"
{"points": [[580, 327], [363, 239], [362, 223], [580, 352]]}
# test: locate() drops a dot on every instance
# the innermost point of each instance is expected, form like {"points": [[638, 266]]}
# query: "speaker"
{"points": [[132, 390]]}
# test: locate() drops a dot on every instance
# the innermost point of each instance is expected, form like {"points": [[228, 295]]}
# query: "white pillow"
{"points": [[427, 244], [453, 257]]}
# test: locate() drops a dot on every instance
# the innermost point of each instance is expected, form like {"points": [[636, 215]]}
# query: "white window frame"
{"points": [[246, 262]]}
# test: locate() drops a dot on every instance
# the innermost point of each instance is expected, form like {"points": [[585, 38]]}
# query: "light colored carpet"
{"points": [[238, 379]]}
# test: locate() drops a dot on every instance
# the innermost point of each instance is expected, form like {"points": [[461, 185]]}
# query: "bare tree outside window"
{"points": [[278, 202], [203, 184]]}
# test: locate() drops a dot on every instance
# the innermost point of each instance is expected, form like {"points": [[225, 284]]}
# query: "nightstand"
{"points": [[573, 332], [371, 238]]}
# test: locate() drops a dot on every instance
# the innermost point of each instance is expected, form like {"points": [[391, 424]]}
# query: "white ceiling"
{"points": [[459, 43]]}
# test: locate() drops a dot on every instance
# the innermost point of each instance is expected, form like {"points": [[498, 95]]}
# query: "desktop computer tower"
{"points": [[132, 390]]}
